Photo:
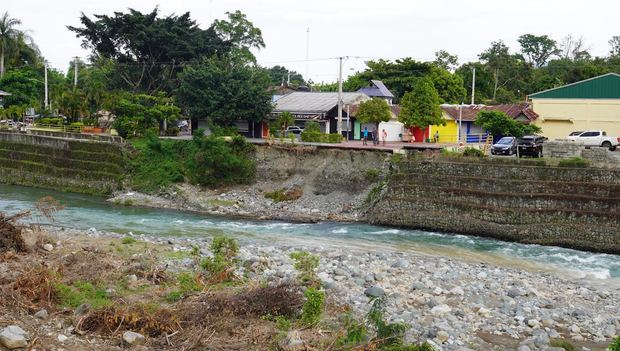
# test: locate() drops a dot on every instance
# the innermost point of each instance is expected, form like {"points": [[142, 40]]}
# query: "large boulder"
{"points": [[13, 337]]}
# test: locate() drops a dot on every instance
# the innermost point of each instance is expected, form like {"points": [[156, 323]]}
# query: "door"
{"points": [[357, 129], [590, 138]]}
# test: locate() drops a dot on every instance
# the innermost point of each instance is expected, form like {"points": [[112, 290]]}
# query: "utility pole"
{"points": [[339, 97], [458, 131], [46, 96], [75, 71], [473, 86]]}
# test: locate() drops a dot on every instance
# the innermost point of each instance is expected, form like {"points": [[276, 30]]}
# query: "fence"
{"points": [[58, 128], [469, 138]]}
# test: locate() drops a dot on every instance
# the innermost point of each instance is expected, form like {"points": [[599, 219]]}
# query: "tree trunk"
{"points": [[496, 83], [2, 62]]}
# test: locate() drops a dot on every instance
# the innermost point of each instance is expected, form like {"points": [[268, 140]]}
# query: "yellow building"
{"points": [[447, 132], [591, 104]]}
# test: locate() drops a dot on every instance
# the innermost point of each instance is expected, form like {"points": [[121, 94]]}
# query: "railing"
{"points": [[58, 128], [453, 138]]}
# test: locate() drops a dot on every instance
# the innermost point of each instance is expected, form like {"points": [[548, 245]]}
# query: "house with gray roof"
{"points": [[321, 107], [378, 90]]}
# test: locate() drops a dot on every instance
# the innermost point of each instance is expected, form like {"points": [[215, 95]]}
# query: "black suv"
{"points": [[531, 145]]}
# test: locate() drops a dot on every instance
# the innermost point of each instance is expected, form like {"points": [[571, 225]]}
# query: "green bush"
{"points": [[574, 162], [280, 195], [128, 240], [472, 152], [312, 126], [220, 267], [80, 293], [334, 138], [615, 345], [51, 120], [565, 344], [220, 131], [372, 175], [307, 264], [313, 307], [388, 334]]}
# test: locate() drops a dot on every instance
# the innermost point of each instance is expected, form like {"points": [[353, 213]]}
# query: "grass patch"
{"points": [[280, 195], [372, 175], [128, 240], [80, 293], [565, 344], [574, 162], [218, 202]]}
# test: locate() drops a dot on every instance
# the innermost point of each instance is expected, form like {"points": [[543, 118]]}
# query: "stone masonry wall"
{"points": [[570, 207], [64, 164]]}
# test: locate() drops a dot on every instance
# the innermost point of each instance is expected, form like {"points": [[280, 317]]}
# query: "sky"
{"points": [[359, 29]]}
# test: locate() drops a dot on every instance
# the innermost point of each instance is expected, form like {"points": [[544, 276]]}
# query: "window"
{"points": [[590, 134]]}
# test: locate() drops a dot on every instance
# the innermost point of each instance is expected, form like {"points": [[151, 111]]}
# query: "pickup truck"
{"points": [[595, 138]]}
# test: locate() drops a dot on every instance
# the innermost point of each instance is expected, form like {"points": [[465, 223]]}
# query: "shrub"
{"points": [[388, 334], [574, 162], [307, 264], [313, 307], [312, 126], [334, 138], [52, 120], [128, 240], [372, 175], [450, 153], [473, 152], [283, 323], [357, 332], [221, 266], [615, 345], [280, 195], [565, 344], [220, 131]]}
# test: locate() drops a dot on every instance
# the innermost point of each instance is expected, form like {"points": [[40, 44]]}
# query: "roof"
{"points": [[377, 89], [606, 86], [4, 93], [470, 112], [315, 102]]}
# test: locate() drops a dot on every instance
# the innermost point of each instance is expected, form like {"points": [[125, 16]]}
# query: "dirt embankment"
{"points": [[294, 183]]}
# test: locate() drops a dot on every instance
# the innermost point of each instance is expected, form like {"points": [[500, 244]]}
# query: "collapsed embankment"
{"points": [[571, 207], [70, 165]]}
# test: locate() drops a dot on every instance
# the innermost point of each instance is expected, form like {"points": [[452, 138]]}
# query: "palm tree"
{"points": [[9, 37]]}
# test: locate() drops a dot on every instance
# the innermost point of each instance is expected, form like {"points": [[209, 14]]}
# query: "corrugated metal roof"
{"points": [[606, 86], [315, 102], [4, 93]]}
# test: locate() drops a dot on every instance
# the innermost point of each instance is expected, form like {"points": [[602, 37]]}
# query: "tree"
{"points": [[538, 49], [614, 43], [420, 107], [499, 123], [9, 37], [374, 111], [239, 32], [25, 86], [281, 74], [446, 60], [573, 48], [139, 113], [224, 90], [148, 50], [284, 120]]}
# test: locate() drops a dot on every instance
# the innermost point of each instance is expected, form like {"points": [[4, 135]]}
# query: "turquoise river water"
{"points": [[84, 212]]}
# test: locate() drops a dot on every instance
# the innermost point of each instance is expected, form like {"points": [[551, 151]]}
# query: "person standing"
{"points": [[384, 136], [365, 136], [375, 137], [436, 136]]}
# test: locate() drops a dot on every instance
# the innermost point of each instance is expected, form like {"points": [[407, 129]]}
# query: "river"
{"points": [[84, 212]]}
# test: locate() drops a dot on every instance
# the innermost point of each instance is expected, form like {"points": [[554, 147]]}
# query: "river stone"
{"points": [[457, 290], [402, 263], [48, 247], [418, 286], [441, 309], [442, 336], [523, 348], [515, 292], [13, 337], [574, 329], [610, 331], [82, 309], [374, 291], [42, 314], [133, 338], [292, 341], [62, 338]]}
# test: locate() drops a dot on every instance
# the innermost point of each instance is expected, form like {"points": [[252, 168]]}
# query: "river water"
{"points": [[84, 212]]}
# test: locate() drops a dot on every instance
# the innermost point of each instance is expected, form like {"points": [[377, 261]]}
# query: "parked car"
{"points": [[505, 146], [531, 145], [294, 129], [595, 138]]}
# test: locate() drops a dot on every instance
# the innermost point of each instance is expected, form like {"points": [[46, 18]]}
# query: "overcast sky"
{"points": [[356, 28]]}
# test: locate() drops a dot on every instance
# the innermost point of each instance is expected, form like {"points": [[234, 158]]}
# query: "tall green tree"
{"points": [[284, 120], [9, 38], [148, 50], [420, 107], [614, 44], [136, 114], [446, 60], [537, 48], [224, 90], [374, 111], [281, 74], [240, 33]]}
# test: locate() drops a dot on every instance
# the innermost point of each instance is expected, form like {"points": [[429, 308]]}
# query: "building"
{"points": [[469, 131], [591, 104], [2, 95], [322, 108], [378, 90]]}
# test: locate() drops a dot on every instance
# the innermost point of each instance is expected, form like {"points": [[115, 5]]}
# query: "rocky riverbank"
{"points": [[452, 304]]}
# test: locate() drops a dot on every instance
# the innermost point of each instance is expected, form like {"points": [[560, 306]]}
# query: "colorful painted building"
{"points": [[591, 104]]}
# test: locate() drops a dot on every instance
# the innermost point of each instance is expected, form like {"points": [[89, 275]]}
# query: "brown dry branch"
{"points": [[34, 289], [11, 238]]}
